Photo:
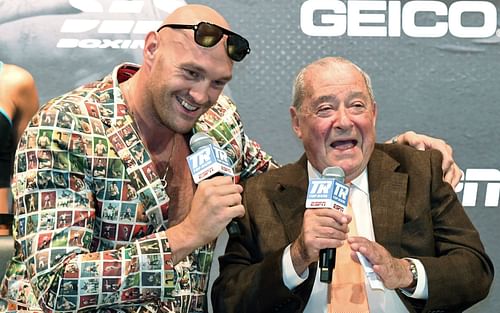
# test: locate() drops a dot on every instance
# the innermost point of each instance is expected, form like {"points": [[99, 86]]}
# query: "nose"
{"points": [[342, 119], [199, 92]]}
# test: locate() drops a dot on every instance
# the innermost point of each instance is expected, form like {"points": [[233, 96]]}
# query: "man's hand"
{"points": [[451, 171], [215, 203], [321, 228], [394, 273]]}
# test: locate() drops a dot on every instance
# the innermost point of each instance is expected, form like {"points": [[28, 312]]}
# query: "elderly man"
{"points": [[408, 224]]}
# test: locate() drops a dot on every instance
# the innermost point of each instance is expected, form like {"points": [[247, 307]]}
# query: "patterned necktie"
{"points": [[347, 292]]}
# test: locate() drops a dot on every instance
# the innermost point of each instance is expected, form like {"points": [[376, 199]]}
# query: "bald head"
{"points": [[182, 76], [192, 14]]}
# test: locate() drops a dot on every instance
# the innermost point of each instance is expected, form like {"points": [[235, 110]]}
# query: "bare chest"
{"points": [[180, 187]]}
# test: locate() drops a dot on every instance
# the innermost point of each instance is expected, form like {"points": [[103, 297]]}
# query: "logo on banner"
{"points": [[392, 18], [479, 183], [116, 19]]}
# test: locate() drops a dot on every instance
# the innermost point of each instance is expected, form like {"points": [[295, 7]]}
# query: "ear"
{"points": [[374, 113], [295, 122], [151, 44]]}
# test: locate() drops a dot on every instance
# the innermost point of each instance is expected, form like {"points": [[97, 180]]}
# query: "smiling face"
{"points": [[186, 79], [336, 119]]}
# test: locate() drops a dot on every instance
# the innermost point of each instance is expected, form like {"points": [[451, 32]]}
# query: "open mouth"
{"points": [[186, 105], [344, 144]]}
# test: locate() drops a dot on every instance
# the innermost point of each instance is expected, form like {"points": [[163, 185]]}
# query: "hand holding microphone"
{"points": [[322, 227], [340, 195], [208, 161], [326, 193]]}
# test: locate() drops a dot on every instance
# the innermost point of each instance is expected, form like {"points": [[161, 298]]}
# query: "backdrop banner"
{"points": [[434, 64]]}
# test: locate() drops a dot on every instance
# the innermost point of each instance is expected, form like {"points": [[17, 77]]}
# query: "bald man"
{"points": [[164, 260], [187, 63]]}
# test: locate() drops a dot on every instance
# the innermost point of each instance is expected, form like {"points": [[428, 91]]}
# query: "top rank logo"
{"points": [[320, 189], [208, 161], [326, 193], [111, 23], [207, 156]]}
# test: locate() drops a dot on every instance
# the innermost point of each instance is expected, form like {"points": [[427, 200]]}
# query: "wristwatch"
{"points": [[414, 273]]}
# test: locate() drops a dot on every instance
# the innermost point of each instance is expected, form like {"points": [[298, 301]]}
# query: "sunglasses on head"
{"points": [[208, 35]]}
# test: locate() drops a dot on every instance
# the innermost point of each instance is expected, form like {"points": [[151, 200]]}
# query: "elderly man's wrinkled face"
{"points": [[336, 121], [187, 79]]}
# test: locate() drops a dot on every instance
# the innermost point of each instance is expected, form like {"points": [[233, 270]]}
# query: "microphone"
{"points": [[209, 160], [329, 191]]}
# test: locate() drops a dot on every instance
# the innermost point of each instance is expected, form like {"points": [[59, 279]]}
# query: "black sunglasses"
{"points": [[208, 35]]}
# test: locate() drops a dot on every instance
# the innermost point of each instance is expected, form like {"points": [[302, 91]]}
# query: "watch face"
{"points": [[413, 269], [414, 274]]}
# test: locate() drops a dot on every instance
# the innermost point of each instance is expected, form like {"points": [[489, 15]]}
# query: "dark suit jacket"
{"points": [[415, 214]]}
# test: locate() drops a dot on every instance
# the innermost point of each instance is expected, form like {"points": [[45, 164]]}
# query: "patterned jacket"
{"points": [[89, 207]]}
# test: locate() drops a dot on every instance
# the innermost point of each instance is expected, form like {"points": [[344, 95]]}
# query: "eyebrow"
{"points": [[359, 94], [200, 69], [334, 99], [326, 98]]}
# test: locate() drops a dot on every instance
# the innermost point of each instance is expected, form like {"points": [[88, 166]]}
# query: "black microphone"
{"points": [[209, 160], [328, 191], [327, 256]]}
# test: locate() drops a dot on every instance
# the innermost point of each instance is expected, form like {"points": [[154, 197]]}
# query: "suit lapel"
{"points": [[388, 190], [289, 195]]}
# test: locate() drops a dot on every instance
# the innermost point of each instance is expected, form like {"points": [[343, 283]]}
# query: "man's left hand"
{"points": [[393, 272]]}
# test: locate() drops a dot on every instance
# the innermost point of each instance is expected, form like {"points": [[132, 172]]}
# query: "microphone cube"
{"points": [[209, 161], [327, 193]]}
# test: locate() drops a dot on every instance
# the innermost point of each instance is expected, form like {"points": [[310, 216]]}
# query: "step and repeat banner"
{"points": [[435, 67]]}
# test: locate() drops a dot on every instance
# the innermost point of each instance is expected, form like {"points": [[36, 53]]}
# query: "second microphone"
{"points": [[209, 160]]}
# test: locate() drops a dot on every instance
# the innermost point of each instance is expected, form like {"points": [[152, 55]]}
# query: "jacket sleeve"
{"points": [[55, 224], [459, 271]]}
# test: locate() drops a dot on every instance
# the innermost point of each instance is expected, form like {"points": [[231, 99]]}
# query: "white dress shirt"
{"points": [[385, 300]]}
